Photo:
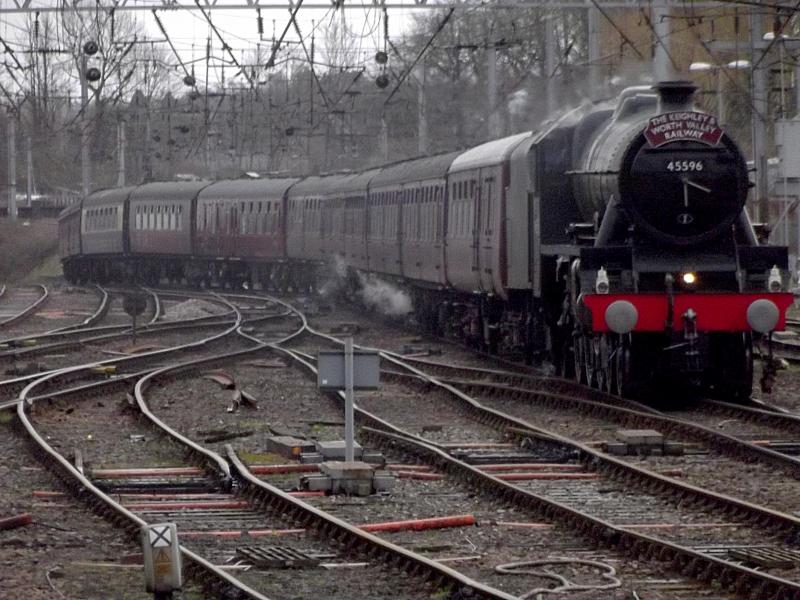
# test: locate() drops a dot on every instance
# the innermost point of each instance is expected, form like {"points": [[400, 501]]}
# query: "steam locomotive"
{"points": [[613, 241]]}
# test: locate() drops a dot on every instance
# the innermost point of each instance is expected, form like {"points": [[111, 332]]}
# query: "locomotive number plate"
{"points": [[681, 166]]}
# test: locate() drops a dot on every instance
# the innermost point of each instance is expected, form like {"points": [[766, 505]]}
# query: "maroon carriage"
{"points": [[240, 228], [160, 225]]}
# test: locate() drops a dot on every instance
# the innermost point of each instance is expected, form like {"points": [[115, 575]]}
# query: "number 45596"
{"points": [[680, 166]]}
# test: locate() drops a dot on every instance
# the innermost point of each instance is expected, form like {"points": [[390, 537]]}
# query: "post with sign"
{"points": [[349, 417], [134, 305], [162, 559], [348, 371]]}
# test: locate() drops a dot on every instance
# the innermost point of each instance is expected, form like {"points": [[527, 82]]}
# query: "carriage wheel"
{"points": [[622, 366], [578, 352]]}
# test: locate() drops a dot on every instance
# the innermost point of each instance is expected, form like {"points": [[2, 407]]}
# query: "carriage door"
{"points": [[474, 211], [487, 239]]}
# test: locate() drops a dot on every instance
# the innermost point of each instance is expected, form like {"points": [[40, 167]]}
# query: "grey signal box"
{"points": [[331, 370], [162, 558]]}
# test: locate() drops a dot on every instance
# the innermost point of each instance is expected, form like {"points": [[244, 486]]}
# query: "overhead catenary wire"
{"points": [[658, 38], [276, 45], [621, 33], [403, 76], [310, 63], [225, 46], [188, 75], [292, 54]]}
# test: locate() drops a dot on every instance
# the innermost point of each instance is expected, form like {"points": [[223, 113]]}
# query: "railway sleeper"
{"points": [[687, 564]]}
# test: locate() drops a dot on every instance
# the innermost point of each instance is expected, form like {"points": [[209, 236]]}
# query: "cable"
{"points": [[292, 14], [188, 76], [658, 38], [310, 63], [421, 53], [225, 46], [625, 38]]}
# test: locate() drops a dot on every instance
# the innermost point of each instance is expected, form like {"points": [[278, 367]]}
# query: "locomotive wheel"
{"points": [[612, 347], [588, 362], [622, 365], [578, 352], [602, 366], [736, 368]]}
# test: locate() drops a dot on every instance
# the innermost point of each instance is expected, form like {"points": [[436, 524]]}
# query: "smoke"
{"points": [[334, 280], [374, 292], [339, 266], [383, 296]]}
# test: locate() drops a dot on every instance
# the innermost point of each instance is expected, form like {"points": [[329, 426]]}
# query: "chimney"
{"points": [[675, 95]]}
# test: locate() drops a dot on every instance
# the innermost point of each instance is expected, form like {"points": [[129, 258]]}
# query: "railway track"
{"points": [[616, 469], [29, 305], [261, 492], [123, 365], [721, 458], [686, 527], [30, 404], [309, 519]]}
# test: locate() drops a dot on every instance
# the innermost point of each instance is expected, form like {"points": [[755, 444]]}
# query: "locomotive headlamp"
{"points": [[601, 282], [774, 281], [689, 278]]}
